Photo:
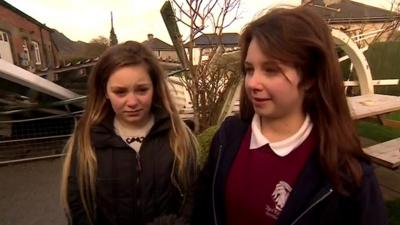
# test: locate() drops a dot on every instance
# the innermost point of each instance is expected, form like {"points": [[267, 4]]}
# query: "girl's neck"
{"points": [[135, 126], [278, 129]]}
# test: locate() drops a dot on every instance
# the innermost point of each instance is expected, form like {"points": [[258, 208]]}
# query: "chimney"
{"points": [[150, 36]]}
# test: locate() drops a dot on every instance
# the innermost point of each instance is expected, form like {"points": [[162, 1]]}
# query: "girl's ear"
{"points": [[308, 85], [106, 95]]}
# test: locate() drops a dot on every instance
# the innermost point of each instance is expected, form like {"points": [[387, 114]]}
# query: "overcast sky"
{"points": [[133, 19]]}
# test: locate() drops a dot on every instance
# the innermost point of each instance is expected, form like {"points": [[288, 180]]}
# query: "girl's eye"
{"points": [[248, 70], [142, 90], [119, 92], [272, 70]]}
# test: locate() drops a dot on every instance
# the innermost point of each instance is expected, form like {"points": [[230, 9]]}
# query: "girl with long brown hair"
{"points": [[131, 159], [293, 156]]}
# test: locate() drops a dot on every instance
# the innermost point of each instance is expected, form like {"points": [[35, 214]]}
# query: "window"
{"points": [[25, 58], [3, 36], [36, 52]]}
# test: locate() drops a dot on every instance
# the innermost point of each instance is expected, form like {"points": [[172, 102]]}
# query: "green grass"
{"points": [[394, 116], [376, 131], [393, 208]]}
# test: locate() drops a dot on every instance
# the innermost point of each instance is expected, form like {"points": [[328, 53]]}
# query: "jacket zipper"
{"points": [[213, 184], [138, 174], [138, 163], [312, 205]]}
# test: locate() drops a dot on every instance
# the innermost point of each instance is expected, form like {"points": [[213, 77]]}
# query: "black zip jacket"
{"points": [[131, 188], [311, 202]]}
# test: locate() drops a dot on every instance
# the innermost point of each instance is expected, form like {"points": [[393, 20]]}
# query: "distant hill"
{"points": [[75, 50]]}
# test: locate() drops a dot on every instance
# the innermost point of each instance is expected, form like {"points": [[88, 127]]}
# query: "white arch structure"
{"points": [[358, 59]]}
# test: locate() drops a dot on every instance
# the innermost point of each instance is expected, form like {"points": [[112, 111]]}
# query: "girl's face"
{"points": [[271, 86], [130, 92]]}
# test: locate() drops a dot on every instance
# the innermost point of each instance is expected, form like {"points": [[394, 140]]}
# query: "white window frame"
{"points": [[36, 52], [26, 50]]}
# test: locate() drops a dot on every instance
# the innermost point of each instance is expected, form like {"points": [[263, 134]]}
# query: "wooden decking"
{"points": [[386, 153], [389, 179]]}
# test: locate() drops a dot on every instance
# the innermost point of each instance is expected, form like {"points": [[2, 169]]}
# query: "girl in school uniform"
{"points": [[293, 156]]}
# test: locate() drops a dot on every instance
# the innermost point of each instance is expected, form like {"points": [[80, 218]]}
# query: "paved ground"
{"points": [[29, 193]]}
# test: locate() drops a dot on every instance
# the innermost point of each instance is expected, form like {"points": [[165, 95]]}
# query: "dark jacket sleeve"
{"points": [[77, 214], [371, 205], [203, 207]]}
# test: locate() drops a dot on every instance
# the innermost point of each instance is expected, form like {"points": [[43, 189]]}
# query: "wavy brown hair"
{"points": [[299, 37], [182, 142]]}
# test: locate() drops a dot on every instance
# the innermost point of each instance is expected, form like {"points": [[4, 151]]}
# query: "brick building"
{"points": [[25, 41]]}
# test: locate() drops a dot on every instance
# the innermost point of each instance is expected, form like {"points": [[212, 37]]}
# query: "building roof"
{"points": [[227, 39], [352, 12], [156, 44], [19, 12]]}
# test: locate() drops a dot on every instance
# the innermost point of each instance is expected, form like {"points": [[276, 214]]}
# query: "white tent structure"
{"points": [[25, 78]]}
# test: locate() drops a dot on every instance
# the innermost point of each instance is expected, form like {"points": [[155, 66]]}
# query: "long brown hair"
{"points": [[182, 141], [299, 37]]}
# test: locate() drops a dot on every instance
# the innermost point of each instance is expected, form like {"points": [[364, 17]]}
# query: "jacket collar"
{"points": [[230, 137], [103, 134]]}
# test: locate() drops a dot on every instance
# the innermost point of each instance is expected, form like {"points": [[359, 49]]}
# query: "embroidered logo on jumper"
{"points": [[279, 197]]}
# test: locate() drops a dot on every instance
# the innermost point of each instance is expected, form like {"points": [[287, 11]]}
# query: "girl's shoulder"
{"points": [[234, 122], [233, 127]]}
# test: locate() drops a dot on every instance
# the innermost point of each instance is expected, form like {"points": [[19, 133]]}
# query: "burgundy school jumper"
{"points": [[260, 181]]}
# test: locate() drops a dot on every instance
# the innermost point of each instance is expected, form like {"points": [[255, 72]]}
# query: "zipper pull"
{"points": [[138, 163]]}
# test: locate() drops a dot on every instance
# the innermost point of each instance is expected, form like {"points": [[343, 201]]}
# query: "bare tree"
{"points": [[208, 79], [391, 28], [97, 46], [101, 40]]}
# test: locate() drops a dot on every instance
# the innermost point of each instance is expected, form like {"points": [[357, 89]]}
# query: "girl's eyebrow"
{"points": [[118, 87], [270, 63], [267, 61], [143, 84]]}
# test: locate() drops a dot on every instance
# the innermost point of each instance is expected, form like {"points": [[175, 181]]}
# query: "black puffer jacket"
{"points": [[131, 188], [312, 201]]}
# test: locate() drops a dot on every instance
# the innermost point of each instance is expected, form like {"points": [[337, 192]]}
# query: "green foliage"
{"points": [[205, 139], [376, 131], [393, 208], [345, 66], [383, 59]]}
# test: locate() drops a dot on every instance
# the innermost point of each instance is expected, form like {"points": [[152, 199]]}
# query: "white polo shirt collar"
{"points": [[281, 148]]}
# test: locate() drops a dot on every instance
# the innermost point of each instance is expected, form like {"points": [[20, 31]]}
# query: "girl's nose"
{"points": [[253, 81], [131, 100]]}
